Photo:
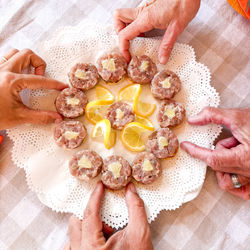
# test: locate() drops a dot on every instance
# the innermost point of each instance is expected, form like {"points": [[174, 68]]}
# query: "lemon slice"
{"points": [[143, 109], [103, 128], [95, 110], [129, 93], [145, 121], [131, 136], [102, 93]]}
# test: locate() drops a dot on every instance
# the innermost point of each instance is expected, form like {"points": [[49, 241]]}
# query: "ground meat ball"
{"points": [[85, 164], [170, 113], [162, 143], [165, 84], [112, 67], [146, 168], [119, 114], [141, 69], [71, 102], [83, 76], [116, 172], [69, 134]]}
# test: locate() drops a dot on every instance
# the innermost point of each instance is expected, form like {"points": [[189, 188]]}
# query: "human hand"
{"points": [[88, 233], [12, 81], [171, 15], [231, 155]]}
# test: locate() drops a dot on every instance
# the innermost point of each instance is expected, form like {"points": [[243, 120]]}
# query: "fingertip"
{"points": [[163, 59]]}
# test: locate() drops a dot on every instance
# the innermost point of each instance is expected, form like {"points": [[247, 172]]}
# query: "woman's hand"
{"points": [[231, 155], [12, 111], [89, 233], [169, 15]]}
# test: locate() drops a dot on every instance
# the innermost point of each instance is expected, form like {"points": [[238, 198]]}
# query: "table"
{"points": [[215, 219]]}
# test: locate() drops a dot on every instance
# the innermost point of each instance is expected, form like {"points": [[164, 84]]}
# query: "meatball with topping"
{"points": [[112, 67], [165, 85], [162, 143], [83, 76], [116, 172], [141, 69], [69, 134], [85, 164], [146, 168], [119, 114], [170, 113], [71, 103]]}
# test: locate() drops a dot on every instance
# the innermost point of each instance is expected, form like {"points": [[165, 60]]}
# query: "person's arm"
{"points": [[88, 233], [12, 81], [169, 15], [231, 155]]}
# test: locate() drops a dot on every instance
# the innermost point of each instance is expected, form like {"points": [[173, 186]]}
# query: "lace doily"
{"points": [[46, 165]]}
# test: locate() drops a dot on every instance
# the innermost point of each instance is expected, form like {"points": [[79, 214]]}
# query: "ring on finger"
{"points": [[235, 180], [4, 58]]}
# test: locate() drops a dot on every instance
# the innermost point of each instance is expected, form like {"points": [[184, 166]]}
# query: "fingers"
{"points": [[227, 143], [92, 224], [123, 17], [225, 181], [130, 32], [136, 209], [27, 115], [25, 58], [27, 81], [167, 42], [243, 192], [9, 54], [216, 159], [75, 233], [212, 115]]}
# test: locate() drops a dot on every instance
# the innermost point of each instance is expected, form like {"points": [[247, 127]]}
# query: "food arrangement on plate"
{"points": [[125, 113]]}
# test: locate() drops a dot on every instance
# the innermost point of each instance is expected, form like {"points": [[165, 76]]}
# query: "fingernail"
{"points": [[132, 188], [192, 118], [163, 59]]}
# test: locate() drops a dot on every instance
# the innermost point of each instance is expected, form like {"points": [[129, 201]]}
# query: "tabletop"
{"points": [[215, 219]]}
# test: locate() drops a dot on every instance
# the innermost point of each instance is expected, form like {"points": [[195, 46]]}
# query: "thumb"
{"points": [[167, 42], [136, 209], [38, 116]]}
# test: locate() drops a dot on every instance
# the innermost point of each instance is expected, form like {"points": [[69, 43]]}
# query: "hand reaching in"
{"points": [[12, 81], [231, 155], [169, 15], [89, 233]]}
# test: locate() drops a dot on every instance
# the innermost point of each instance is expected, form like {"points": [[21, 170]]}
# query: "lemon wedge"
{"points": [[143, 109], [103, 129], [131, 136], [145, 121], [95, 110], [102, 93], [129, 93]]}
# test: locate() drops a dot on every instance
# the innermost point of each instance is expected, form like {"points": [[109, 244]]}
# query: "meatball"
{"points": [[83, 76], [112, 67], [85, 164], [69, 134], [162, 143], [141, 69], [119, 114], [116, 172], [146, 168], [165, 85], [170, 113], [71, 103]]}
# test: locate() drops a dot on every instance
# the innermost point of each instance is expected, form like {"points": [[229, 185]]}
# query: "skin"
{"points": [[169, 15], [12, 81], [89, 232], [231, 155]]}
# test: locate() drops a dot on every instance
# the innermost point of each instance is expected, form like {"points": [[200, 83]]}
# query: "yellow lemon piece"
{"points": [[102, 93], [131, 136], [95, 110], [129, 93], [103, 128], [145, 121], [143, 109]]}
